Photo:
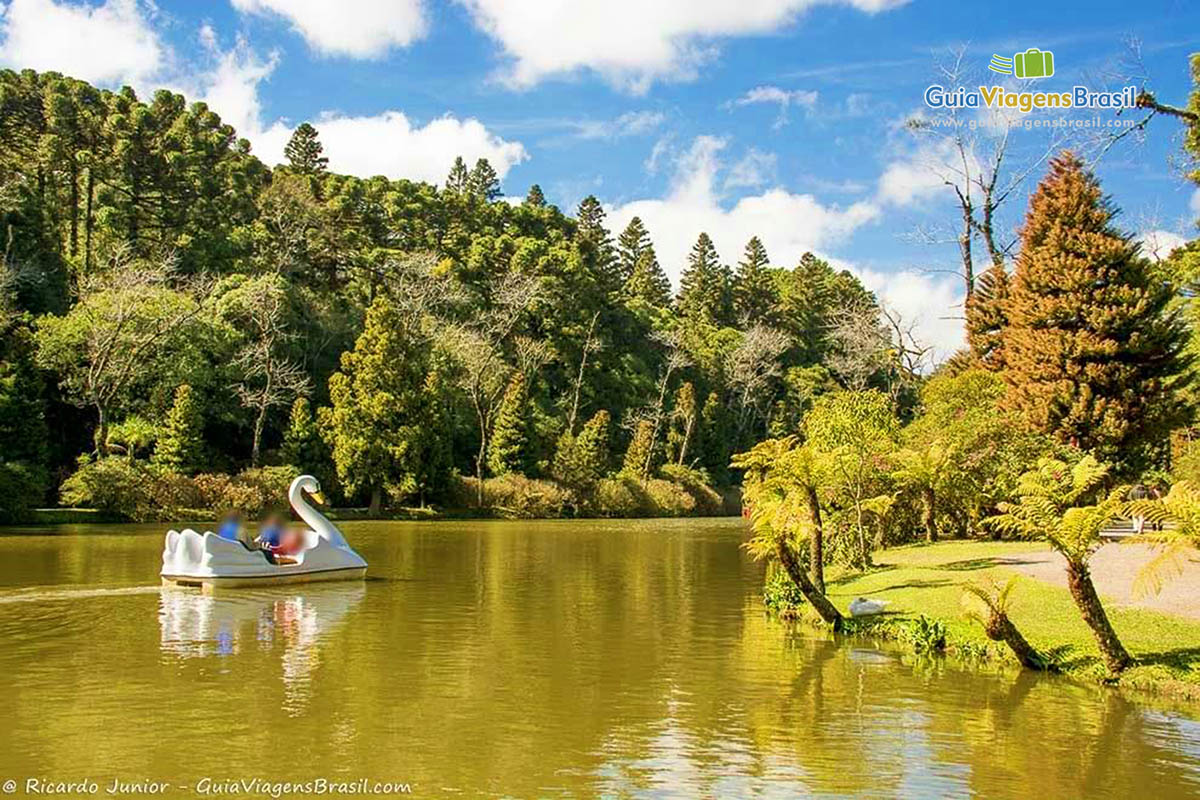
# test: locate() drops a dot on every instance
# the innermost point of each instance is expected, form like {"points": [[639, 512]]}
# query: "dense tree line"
{"points": [[170, 300]]}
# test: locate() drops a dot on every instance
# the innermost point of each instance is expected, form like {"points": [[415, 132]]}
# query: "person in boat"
{"points": [[291, 542], [270, 533], [231, 527]]}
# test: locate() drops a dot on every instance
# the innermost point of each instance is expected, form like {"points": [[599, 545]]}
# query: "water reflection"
{"points": [[195, 625], [532, 660]]}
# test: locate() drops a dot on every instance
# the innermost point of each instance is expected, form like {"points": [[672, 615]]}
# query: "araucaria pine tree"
{"points": [[508, 447], [594, 242], [1092, 354], [302, 445], [704, 290], [987, 318], [648, 283], [535, 197], [304, 151], [753, 287], [632, 242], [181, 443]]}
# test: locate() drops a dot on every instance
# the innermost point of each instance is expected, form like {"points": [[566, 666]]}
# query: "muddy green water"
{"points": [[550, 659]]}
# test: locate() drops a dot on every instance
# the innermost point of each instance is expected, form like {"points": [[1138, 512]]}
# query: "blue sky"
{"points": [[777, 117]]}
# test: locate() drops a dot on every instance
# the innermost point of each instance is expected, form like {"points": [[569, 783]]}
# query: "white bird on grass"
{"points": [[862, 607]]}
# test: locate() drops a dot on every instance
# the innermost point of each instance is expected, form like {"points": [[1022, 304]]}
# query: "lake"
{"points": [[524, 659]]}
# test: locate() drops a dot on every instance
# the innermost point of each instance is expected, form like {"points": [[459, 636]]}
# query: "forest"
{"points": [[182, 321]]}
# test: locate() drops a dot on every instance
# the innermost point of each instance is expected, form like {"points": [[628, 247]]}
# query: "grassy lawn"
{"points": [[928, 579]]}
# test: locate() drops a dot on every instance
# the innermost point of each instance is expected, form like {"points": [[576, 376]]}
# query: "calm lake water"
{"points": [[548, 659]]}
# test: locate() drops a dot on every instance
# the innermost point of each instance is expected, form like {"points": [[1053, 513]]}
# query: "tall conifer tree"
{"points": [[1093, 356], [704, 287], [304, 151], [754, 293]]}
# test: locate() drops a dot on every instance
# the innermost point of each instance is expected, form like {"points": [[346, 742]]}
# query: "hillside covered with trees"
{"points": [[183, 324]]}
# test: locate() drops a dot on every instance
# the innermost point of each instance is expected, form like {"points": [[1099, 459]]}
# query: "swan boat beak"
{"points": [[320, 498]]}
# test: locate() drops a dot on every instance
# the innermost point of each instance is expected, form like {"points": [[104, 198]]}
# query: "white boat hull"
{"points": [[281, 578], [207, 561]]}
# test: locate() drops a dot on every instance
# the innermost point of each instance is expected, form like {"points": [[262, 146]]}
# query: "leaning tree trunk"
{"points": [[816, 542], [927, 504], [819, 601], [376, 502], [1079, 580], [999, 628]]}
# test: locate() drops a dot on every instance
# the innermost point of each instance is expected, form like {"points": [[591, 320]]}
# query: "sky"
{"points": [[784, 119]]}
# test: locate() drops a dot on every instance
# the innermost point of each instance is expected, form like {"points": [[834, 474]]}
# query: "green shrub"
{"points": [[667, 499], [135, 490], [925, 634], [514, 495], [617, 497], [781, 596], [22, 487], [696, 483]]}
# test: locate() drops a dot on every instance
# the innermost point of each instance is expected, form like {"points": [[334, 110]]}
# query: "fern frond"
{"points": [[1163, 567]]}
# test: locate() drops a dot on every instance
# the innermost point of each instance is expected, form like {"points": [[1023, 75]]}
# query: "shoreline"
{"points": [[926, 581]]}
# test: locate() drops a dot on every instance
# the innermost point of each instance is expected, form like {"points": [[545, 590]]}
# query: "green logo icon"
{"points": [[1033, 63]]}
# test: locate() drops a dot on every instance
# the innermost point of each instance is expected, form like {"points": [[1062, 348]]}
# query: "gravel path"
{"points": [[1114, 567]]}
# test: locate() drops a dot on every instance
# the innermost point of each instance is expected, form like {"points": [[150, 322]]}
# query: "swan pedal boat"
{"points": [[208, 561]]}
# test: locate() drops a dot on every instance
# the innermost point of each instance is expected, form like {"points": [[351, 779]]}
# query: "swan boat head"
{"points": [[307, 484]]}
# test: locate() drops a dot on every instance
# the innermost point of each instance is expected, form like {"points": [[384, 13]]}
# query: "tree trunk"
{"points": [[376, 502], [864, 552], [258, 429], [101, 439], [1079, 580], [819, 601], [927, 502], [816, 541], [999, 628]]}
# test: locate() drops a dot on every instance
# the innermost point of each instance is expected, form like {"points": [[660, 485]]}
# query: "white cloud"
{"points": [[933, 305], [788, 224], [107, 44], [754, 169], [632, 123], [1157, 245], [781, 97], [784, 98], [388, 143], [631, 43], [924, 172], [354, 28], [1194, 204]]}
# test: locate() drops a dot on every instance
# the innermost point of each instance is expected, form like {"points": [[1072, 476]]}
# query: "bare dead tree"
{"points": [[479, 345], [861, 345], [911, 358], [591, 344], [974, 161], [1130, 69], [752, 366], [267, 378], [675, 358]]}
